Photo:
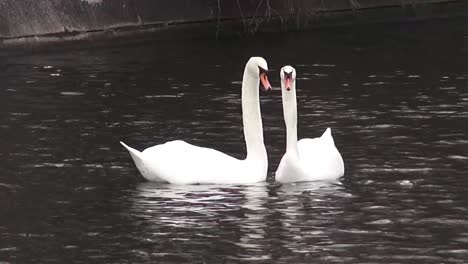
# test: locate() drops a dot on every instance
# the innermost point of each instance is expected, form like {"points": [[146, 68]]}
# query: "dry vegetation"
{"points": [[290, 13], [296, 14]]}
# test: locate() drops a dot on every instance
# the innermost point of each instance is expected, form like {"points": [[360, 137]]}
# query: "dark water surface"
{"points": [[396, 98]]}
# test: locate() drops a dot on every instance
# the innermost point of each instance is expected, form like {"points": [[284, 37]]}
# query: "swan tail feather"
{"points": [[142, 164], [327, 136], [136, 155]]}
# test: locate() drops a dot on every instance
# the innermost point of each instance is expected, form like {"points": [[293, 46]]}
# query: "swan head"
{"points": [[288, 77], [257, 66]]}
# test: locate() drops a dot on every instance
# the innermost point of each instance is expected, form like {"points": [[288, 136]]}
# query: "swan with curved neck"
{"points": [[179, 162], [307, 159]]}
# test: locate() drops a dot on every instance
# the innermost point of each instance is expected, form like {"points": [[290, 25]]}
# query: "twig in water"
{"points": [[354, 4], [242, 16], [268, 10], [280, 17], [254, 15], [323, 4], [219, 19]]}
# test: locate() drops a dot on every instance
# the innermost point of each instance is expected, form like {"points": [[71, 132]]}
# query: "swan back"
{"points": [[320, 159]]}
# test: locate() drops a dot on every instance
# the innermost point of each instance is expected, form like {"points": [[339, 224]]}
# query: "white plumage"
{"points": [[306, 159], [179, 162]]}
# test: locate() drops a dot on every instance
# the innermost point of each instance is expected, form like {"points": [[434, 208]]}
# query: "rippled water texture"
{"points": [[396, 98]]}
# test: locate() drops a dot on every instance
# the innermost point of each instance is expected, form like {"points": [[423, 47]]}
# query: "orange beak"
{"points": [[265, 83], [287, 83]]}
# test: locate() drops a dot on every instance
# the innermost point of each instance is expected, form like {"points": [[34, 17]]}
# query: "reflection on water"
{"points": [[238, 220], [397, 102]]}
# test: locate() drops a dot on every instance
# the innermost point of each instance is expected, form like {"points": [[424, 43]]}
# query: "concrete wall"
{"points": [[38, 17], [26, 18]]}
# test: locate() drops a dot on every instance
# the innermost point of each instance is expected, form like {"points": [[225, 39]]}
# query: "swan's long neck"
{"points": [[290, 117], [251, 117]]}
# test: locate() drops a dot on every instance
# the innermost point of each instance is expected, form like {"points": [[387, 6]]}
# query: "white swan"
{"points": [[309, 159], [179, 162]]}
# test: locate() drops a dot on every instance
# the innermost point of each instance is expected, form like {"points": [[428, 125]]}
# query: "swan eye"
{"points": [[261, 70]]}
